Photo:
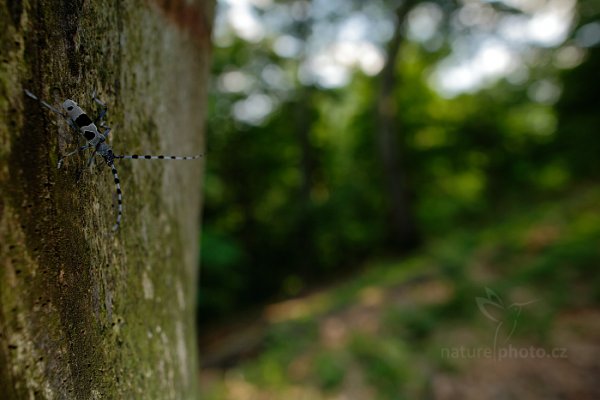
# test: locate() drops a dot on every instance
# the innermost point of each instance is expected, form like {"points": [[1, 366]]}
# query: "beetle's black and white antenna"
{"points": [[149, 157], [96, 139]]}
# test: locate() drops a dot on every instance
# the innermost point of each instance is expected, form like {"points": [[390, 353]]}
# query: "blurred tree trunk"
{"points": [[303, 124], [84, 313], [403, 227], [304, 119]]}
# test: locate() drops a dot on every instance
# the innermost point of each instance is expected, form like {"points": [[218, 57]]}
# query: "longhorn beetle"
{"points": [[96, 139]]}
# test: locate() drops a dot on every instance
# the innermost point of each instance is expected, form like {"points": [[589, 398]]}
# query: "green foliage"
{"points": [[221, 263], [329, 370], [384, 365], [412, 324], [299, 196]]}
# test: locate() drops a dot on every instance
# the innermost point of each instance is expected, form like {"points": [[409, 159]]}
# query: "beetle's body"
{"points": [[96, 139], [88, 129], [83, 123]]}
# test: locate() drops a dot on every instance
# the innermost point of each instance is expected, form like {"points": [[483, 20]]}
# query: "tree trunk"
{"points": [[405, 235], [85, 313]]}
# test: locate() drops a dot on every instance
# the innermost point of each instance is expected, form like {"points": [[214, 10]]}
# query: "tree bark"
{"points": [[85, 313]]}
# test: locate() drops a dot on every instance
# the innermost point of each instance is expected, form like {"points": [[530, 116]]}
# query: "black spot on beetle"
{"points": [[148, 157], [89, 135], [70, 108], [83, 120]]}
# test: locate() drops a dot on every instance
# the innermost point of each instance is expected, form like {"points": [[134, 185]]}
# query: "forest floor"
{"points": [[507, 312]]}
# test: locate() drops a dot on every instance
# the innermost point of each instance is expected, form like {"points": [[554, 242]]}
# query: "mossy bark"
{"points": [[85, 313]]}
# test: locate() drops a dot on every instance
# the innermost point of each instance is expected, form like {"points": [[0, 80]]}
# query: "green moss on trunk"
{"points": [[84, 313]]}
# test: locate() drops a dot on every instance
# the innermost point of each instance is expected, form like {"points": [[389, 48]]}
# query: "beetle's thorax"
{"points": [[106, 152]]}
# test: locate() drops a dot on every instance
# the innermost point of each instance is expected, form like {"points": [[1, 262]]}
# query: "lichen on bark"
{"points": [[85, 313]]}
